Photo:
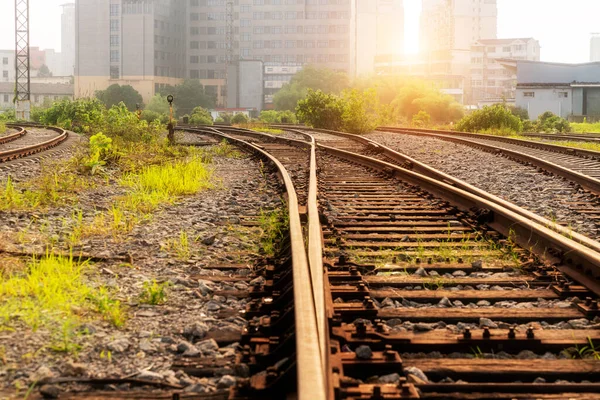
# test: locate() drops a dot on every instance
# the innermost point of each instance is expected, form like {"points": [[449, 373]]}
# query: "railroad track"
{"points": [[459, 295], [568, 137], [29, 140], [578, 165]]}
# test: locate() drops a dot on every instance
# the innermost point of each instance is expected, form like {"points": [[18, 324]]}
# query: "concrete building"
{"points": [[274, 32], [449, 28], [127, 42], [379, 31], [569, 90], [7, 65], [245, 85], [490, 81], [275, 76], [595, 47], [40, 92], [67, 51]]}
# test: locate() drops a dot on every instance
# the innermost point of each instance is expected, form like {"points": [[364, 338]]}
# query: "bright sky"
{"points": [[563, 27]]}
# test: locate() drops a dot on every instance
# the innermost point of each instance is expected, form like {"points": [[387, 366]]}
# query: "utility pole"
{"points": [[22, 82], [229, 43]]}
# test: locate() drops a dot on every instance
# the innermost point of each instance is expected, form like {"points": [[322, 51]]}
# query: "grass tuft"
{"points": [[274, 225], [154, 293]]}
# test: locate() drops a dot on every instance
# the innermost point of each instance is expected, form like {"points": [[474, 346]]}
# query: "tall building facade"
{"points": [[67, 51], [595, 47], [129, 42], [449, 28], [7, 65], [490, 80], [276, 32]]}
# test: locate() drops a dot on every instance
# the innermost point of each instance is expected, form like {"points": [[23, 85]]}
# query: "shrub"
{"points": [[321, 110], [550, 123], [239, 119], [277, 117], [360, 111], [2, 127], [496, 117], [116, 94], [201, 116], [81, 115], [421, 119]]}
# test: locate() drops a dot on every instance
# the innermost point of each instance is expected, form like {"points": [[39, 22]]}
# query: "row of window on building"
{"points": [[204, 3], [271, 30], [275, 44], [273, 15]]}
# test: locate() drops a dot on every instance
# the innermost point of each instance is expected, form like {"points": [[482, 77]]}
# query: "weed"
{"points": [[180, 246], [224, 149], [154, 293], [64, 340], [589, 351], [274, 225], [110, 309], [477, 353]]}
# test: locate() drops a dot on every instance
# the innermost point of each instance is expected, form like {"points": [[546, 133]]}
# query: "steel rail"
{"points": [[579, 260], [587, 182], [28, 150], [573, 137], [13, 136], [310, 361], [422, 168], [521, 142]]}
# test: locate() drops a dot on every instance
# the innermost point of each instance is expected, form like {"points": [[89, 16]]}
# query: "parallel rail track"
{"points": [[578, 165]]}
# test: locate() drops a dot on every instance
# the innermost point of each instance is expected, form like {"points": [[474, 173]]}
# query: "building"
{"points": [[129, 42], [245, 85], [275, 32], [275, 76], [449, 28], [568, 90], [379, 31], [7, 65], [67, 51], [490, 81], [40, 92], [595, 47]]}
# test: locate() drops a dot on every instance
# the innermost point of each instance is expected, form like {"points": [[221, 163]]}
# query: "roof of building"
{"points": [[66, 89], [502, 41]]}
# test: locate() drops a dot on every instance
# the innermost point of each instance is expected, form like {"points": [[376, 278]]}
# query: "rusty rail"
{"points": [[13, 136], [8, 155]]}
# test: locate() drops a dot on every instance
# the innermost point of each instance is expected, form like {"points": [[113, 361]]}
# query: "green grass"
{"points": [[272, 131], [274, 225], [567, 143], [225, 149], [585, 127], [53, 292], [154, 293], [2, 127]]}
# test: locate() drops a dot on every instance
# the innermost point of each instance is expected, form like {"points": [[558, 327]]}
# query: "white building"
{"points": [[275, 76], [490, 81], [68, 39], [7, 65], [595, 47]]}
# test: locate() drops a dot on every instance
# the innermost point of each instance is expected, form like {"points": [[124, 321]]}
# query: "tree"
{"points": [[421, 119], [201, 116], [360, 111], [321, 110], [310, 77], [188, 95], [44, 71], [416, 96], [550, 123], [159, 105], [115, 94]]}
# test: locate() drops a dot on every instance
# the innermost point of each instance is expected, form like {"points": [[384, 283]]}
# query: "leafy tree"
{"points": [[360, 111], [324, 79], [150, 116], [520, 112], [239, 118], [159, 104], [188, 95], [116, 94], [496, 118], [416, 97], [80, 115], [321, 110], [277, 117], [44, 71], [201, 116]]}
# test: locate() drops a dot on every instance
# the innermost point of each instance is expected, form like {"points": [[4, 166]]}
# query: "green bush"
{"points": [[201, 116], [151, 116], [81, 115], [116, 94], [360, 111], [550, 123], [490, 119], [239, 119], [321, 110], [421, 119], [277, 117]]}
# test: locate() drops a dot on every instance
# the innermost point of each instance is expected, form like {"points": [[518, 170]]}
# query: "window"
{"points": [[6, 98], [194, 74], [506, 49], [5, 74], [194, 30], [528, 94], [193, 59], [114, 72], [563, 95], [194, 45], [114, 25], [194, 3], [245, 8], [5, 60], [114, 10], [114, 56], [114, 40]]}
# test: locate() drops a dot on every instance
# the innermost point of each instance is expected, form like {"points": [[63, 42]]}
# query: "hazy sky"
{"points": [[563, 27]]}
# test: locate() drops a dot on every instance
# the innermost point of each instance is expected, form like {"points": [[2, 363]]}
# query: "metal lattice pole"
{"points": [[229, 44], [22, 60]]}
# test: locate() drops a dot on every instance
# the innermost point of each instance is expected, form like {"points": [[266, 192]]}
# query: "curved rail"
{"points": [[310, 357], [588, 182], [13, 136], [8, 155]]}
